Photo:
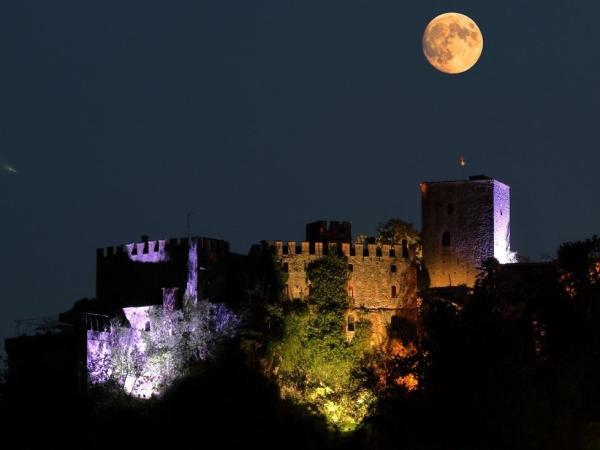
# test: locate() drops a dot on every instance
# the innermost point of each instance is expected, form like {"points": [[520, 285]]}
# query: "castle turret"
{"points": [[333, 231], [464, 222]]}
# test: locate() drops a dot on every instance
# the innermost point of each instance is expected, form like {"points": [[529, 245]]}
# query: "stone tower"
{"points": [[464, 222]]}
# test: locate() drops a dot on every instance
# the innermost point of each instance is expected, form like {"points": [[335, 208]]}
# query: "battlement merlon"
{"points": [[291, 248], [158, 250], [329, 231]]}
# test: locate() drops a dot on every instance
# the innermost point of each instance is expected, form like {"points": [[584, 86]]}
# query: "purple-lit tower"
{"points": [[464, 222], [152, 271]]}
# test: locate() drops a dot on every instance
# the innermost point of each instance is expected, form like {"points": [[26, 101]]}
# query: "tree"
{"points": [[145, 362], [314, 362], [396, 231]]}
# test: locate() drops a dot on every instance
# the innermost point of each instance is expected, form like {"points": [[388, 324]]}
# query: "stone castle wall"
{"points": [[382, 280], [464, 211], [135, 274], [379, 275]]}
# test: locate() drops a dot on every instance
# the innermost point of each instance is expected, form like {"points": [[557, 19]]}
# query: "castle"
{"points": [[464, 222], [382, 284]]}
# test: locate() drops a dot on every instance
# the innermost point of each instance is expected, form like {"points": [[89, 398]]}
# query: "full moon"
{"points": [[452, 43]]}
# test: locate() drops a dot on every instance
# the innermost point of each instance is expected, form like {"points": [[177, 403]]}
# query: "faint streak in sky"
{"points": [[9, 169]]}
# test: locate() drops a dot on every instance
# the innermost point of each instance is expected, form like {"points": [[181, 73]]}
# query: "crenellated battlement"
{"points": [[159, 250], [305, 248]]}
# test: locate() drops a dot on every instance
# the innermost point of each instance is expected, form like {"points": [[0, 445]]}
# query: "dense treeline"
{"points": [[514, 365]]}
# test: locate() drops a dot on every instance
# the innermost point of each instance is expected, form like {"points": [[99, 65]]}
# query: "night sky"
{"points": [[259, 116]]}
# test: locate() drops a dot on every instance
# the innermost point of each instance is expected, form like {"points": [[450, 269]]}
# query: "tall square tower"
{"points": [[464, 222]]}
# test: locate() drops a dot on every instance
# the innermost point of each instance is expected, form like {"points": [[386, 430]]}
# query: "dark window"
{"points": [[404, 248], [446, 239], [394, 292], [350, 323], [378, 252], [350, 268], [450, 208], [285, 267], [147, 327], [392, 253], [393, 268]]}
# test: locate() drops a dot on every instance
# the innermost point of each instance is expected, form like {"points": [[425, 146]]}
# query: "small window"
{"points": [[147, 327], [350, 323], [350, 268], [378, 252], [404, 248], [394, 292], [393, 268], [446, 239], [392, 253], [450, 209], [285, 267]]}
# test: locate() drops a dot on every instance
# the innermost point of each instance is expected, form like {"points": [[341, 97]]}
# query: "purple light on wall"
{"points": [[156, 252], [138, 316], [502, 251], [191, 289], [169, 296]]}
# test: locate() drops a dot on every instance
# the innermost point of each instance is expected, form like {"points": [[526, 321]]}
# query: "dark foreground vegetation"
{"points": [[517, 366]]}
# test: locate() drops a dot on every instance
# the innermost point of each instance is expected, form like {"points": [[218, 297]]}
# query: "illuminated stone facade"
{"points": [[464, 222], [382, 279]]}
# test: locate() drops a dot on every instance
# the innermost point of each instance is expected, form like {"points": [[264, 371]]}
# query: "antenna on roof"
{"points": [[187, 223]]}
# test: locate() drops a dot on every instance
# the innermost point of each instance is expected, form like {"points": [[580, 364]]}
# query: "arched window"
{"points": [[350, 323], [446, 239], [394, 292]]}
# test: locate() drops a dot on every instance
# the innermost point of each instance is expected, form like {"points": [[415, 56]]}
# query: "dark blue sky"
{"points": [[261, 115]]}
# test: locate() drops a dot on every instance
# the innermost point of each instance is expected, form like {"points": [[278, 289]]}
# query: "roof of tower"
{"points": [[472, 178]]}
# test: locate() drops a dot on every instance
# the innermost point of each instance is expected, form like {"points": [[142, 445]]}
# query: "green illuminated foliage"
{"points": [[316, 364]]}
